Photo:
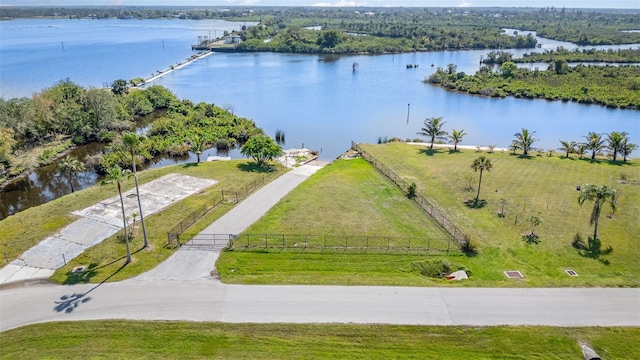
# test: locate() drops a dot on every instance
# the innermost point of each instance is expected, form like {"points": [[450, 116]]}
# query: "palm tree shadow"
{"points": [[527, 157], [592, 249], [473, 204], [430, 152], [68, 303], [251, 166]]}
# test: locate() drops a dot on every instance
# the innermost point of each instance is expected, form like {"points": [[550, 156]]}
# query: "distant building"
{"points": [[232, 39]]}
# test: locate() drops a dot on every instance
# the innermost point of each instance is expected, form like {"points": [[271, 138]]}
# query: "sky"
{"points": [[617, 4]]}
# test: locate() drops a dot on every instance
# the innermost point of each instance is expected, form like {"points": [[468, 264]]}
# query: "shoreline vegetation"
{"points": [[35, 131], [610, 86]]}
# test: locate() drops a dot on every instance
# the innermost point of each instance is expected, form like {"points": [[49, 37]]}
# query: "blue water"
{"points": [[38, 53], [319, 102]]}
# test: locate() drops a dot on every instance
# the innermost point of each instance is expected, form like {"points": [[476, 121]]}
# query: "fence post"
{"points": [[265, 241], [283, 241]]}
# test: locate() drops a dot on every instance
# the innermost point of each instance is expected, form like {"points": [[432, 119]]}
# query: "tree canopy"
{"points": [[261, 149]]}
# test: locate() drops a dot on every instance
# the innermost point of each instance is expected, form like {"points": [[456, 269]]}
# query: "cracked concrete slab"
{"points": [[97, 223]]}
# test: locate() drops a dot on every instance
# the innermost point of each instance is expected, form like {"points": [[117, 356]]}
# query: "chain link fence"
{"points": [[461, 239], [339, 243], [234, 197]]}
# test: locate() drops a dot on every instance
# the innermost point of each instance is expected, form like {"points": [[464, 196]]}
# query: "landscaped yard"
{"points": [[348, 197], [153, 340]]}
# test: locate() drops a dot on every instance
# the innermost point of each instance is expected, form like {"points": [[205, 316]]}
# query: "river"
{"points": [[316, 100]]}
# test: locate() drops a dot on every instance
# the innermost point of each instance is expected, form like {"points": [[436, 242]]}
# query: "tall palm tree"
{"points": [[615, 141], [117, 175], [600, 195], [197, 145], [480, 164], [132, 140], [525, 139], [627, 149], [567, 146], [70, 166], [433, 129], [456, 138], [595, 143]]}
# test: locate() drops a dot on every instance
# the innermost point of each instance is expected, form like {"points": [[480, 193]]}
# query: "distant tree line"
{"points": [[574, 55], [425, 28], [611, 86]]}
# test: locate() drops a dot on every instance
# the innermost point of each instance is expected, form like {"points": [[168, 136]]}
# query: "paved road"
{"points": [[182, 289], [210, 300]]}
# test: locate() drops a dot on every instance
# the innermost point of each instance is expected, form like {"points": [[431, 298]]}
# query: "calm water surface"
{"points": [[317, 101]]}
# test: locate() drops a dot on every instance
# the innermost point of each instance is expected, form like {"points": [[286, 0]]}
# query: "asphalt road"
{"points": [[210, 300]]}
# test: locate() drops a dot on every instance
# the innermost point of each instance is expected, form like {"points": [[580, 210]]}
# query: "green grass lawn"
{"points": [[26, 228], [152, 340], [347, 197], [352, 198]]}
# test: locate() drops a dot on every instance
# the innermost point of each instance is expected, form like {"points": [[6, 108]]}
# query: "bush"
{"points": [[436, 268], [411, 192]]}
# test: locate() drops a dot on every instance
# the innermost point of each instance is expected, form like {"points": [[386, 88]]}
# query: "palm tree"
{"points": [[456, 138], [581, 148], [514, 146], [481, 163], [117, 175], [197, 145], [132, 140], [627, 149], [433, 129], [567, 146], [595, 143], [615, 141], [70, 166], [600, 195], [525, 139]]}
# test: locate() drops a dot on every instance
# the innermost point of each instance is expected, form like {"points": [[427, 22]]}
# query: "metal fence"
{"points": [[218, 198], [338, 243], [428, 207]]}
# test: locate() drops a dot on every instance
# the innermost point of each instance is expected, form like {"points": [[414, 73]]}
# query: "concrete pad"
{"points": [[99, 222], [15, 273], [154, 196]]}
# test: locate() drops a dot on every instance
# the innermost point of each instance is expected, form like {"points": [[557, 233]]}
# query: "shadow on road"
{"points": [[68, 303]]}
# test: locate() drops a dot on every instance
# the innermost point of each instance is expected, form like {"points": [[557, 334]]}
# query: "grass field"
{"points": [[152, 340], [27, 228], [542, 186], [348, 197]]}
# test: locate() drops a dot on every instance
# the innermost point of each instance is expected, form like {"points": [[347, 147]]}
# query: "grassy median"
{"points": [[336, 200], [152, 340]]}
